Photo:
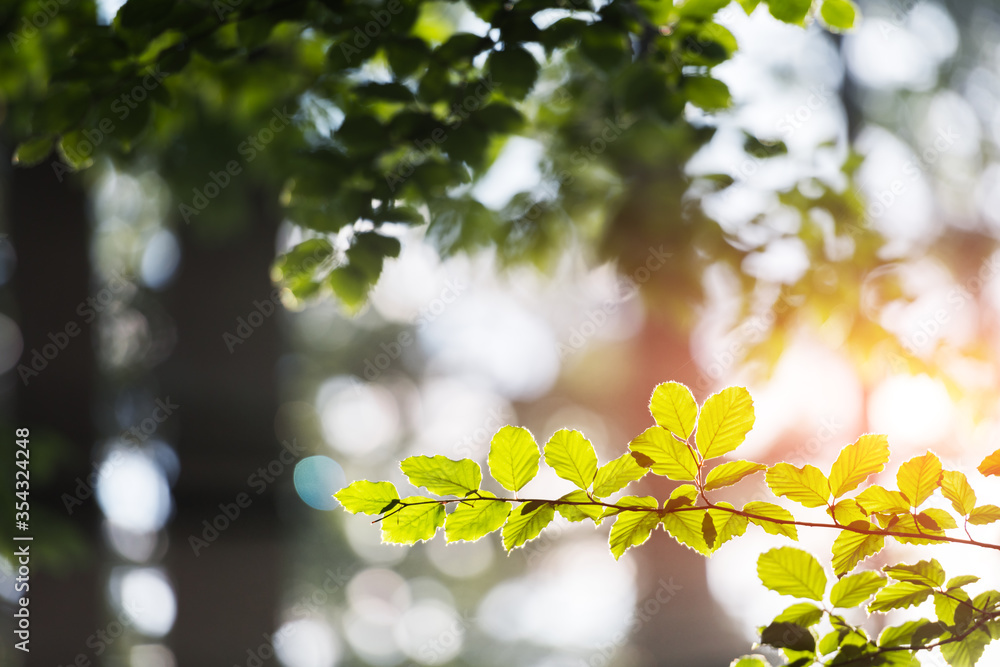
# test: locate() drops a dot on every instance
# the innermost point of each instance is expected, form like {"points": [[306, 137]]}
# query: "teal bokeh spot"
{"points": [[316, 479]]}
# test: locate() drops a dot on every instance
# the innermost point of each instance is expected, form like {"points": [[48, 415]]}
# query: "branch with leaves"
{"points": [[684, 446]]}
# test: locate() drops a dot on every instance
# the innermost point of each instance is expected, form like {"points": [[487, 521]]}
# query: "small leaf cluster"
{"points": [[962, 628], [684, 445]]}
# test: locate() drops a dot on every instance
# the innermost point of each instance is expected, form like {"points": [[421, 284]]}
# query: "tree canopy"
{"points": [[360, 116]]}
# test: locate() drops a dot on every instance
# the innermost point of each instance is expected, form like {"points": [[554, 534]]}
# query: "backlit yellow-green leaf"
{"points": [[367, 497], [838, 14], [846, 512], [918, 477], [867, 456], [525, 523], [851, 548], [899, 635], [727, 524], [673, 407], [670, 457], [961, 580], [730, 473], [955, 487], [935, 518], [967, 651], [879, 499], [513, 457], [572, 457], [577, 512], [792, 571], [805, 614], [905, 524], [633, 528], [984, 514], [725, 420], [991, 464], [947, 607], [417, 521], [899, 596], [472, 519], [686, 528], [750, 661], [925, 572], [615, 475], [806, 485], [441, 475], [683, 496], [854, 589], [763, 511]]}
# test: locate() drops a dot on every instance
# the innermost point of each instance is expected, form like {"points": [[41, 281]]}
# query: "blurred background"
{"points": [[187, 440]]}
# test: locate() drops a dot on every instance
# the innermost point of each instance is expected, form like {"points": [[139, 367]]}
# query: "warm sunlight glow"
{"points": [[912, 411]]}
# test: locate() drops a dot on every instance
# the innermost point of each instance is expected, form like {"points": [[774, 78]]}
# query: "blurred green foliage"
{"points": [[360, 116]]}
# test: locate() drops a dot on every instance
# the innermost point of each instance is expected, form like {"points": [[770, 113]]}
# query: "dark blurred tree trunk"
{"points": [[49, 230], [228, 592]]}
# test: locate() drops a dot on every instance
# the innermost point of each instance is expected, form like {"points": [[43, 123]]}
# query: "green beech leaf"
{"points": [[851, 548], [674, 408], [947, 607], [633, 528], [514, 69], [854, 589], [474, 518], [805, 614], [856, 462], [441, 475], [726, 525], [898, 635], [763, 511], [918, 477], [792, 571], [578, 512], [782, 634], [967, 651], [367, 497], [724, 422], [806, 485], [708, 94], [961, 580], [615, 475], [683, 496], [671, 458], [413, 522], [513, 457], [730, 473], [603, 45], [789, 11], [750, 661], [925, 572], [525, 522], [955, 487], [987, 601], [33, 151], [838, 14], [687, 527], [572, 457], [899, 596]]}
